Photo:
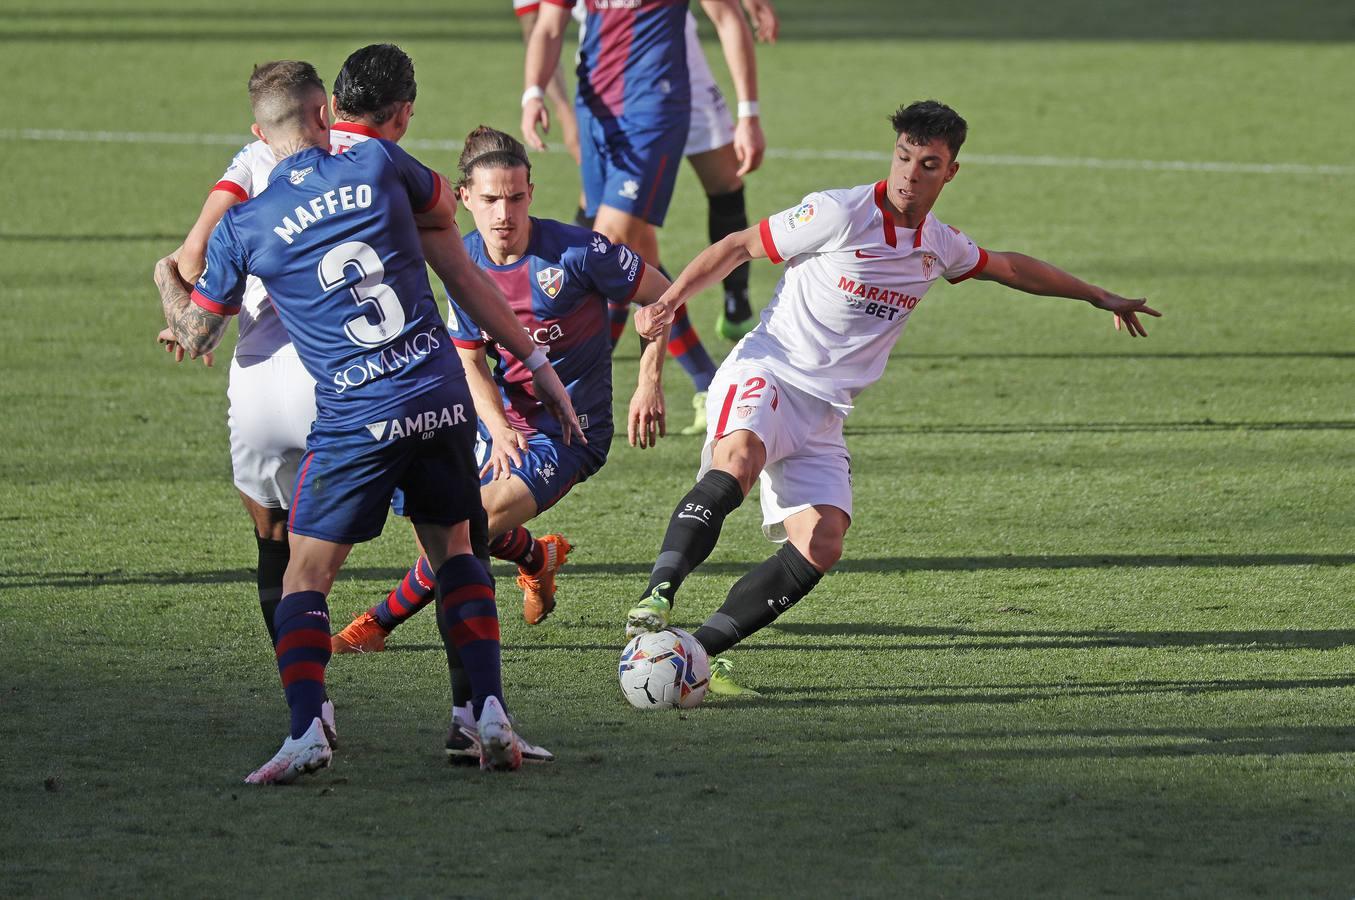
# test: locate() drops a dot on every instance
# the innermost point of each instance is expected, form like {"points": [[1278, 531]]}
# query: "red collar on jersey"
{"points": [[355, 128], [888, 218]]}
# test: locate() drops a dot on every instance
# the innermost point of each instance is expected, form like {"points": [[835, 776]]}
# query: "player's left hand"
{"points": [[749, 144], [166, 339], [647, 421], [1126, 312]]}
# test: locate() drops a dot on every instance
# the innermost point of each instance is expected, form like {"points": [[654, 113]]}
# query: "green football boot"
{"points": [[698, 425], [733, 330], [651, 613], [722, 683]]}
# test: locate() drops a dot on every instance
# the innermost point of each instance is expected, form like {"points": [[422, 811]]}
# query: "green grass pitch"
{"points": [[1093, 630]]}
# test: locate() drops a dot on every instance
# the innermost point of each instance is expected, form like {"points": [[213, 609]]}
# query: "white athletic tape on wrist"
{"points": [[748, 109], [535, 360], [532, 93]]}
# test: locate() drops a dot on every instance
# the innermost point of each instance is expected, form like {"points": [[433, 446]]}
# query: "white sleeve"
{"points": [[961, 257], [238, 178], [818, 224]]}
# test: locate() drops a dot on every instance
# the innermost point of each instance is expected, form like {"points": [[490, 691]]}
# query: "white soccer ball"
{"points": [[664, 669]]}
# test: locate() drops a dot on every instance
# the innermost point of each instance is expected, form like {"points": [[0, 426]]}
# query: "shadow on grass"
{"points": [[989, 694], [867, 565]]}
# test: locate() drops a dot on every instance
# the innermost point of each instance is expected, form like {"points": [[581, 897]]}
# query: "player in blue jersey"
{"points": [[634, 109], [340, 244], [558, 279]]}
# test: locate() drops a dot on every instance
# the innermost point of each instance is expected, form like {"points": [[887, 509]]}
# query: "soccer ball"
{"points": [[664, 669]]}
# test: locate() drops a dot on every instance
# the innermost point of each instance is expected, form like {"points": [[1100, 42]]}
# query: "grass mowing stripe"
{"points": [[817, 155]]}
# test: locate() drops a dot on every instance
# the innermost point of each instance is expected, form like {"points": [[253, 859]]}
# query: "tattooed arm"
{"points": [[192, 330]]}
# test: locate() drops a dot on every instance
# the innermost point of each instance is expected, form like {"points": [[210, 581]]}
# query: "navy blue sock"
{"points": [[469, 621], [303, 652]]}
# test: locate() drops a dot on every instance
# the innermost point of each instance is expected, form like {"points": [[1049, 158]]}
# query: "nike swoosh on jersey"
{"points": [[860, 255]]}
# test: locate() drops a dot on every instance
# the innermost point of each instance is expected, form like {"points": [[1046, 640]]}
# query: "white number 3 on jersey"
{"points": [[369, 291]]}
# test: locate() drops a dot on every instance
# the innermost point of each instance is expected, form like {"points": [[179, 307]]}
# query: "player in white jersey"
{"points": [[858, 261]]}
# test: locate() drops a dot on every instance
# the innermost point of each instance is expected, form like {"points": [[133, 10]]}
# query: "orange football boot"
{"points": [[538, 588]]}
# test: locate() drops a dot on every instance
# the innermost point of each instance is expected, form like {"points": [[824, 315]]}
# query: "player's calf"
{"points": [[758, 598]]}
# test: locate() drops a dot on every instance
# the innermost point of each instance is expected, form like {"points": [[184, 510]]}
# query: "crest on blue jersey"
{"points": [[551, 280]]}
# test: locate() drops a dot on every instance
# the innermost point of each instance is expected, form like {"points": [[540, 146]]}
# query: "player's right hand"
{"points": [[534, 113], [505, 451], [1126, 312], [550, 390], [171, 345]]}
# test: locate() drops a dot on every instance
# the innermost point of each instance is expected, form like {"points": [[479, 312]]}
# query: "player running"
{"points": [[859, 260], [339, 243], [634, 109], [558, 280], [719, 151]]}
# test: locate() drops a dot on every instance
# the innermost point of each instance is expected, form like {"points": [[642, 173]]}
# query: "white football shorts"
{"points": [[272, 406], [712, 126], [807, 459]]}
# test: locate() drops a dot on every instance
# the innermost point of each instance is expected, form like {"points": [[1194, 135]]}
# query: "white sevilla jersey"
{"points": [[852, 279], [262, 334]]}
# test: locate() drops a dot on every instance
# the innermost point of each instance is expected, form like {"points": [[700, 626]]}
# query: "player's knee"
{"points": [[821, 545], [743, 456]]}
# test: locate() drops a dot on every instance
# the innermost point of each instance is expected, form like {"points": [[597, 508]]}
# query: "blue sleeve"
{"points": [[221, 287], [613, 270], [462, 328], [421, 183]]}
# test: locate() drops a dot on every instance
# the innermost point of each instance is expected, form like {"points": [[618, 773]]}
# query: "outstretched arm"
{"points": [[192, 330], [736, 40], [1035, 276], [192, 254], [710, 267]]}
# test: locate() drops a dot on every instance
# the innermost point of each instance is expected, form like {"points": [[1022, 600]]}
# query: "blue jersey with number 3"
{"points": [[333, 239]]}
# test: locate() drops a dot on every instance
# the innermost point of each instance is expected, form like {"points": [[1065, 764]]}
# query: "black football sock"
{"points": [[273, 558], [694, 529], [727, 213], [582, 219], [756, 599]]}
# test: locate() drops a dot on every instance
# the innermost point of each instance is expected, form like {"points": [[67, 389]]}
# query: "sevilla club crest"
{"points": [[551, 280], [929, 261]]}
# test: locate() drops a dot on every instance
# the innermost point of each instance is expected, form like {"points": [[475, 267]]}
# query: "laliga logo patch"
{"points": [[299, 175], [928, 261], [801, 216], [550, 281]]}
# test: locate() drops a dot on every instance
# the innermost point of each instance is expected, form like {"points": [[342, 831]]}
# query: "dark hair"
{"points": [[926, 120], [278, 91], [486, 146], [372, 81]]}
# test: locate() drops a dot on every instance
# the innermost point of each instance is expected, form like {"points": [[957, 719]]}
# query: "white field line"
{"points": [[1070, 162]]}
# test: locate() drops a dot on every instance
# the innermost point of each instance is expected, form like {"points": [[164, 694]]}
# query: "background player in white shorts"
{"points": [[859, 260]]}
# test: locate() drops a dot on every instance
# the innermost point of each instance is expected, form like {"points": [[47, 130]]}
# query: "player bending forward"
{"points": [[336, 241], [558, 280], [859, 260]]}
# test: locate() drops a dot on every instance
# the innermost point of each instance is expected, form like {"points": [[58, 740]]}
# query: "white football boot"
{"points": [[499, 747], [298, 756], [463, 744]]}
